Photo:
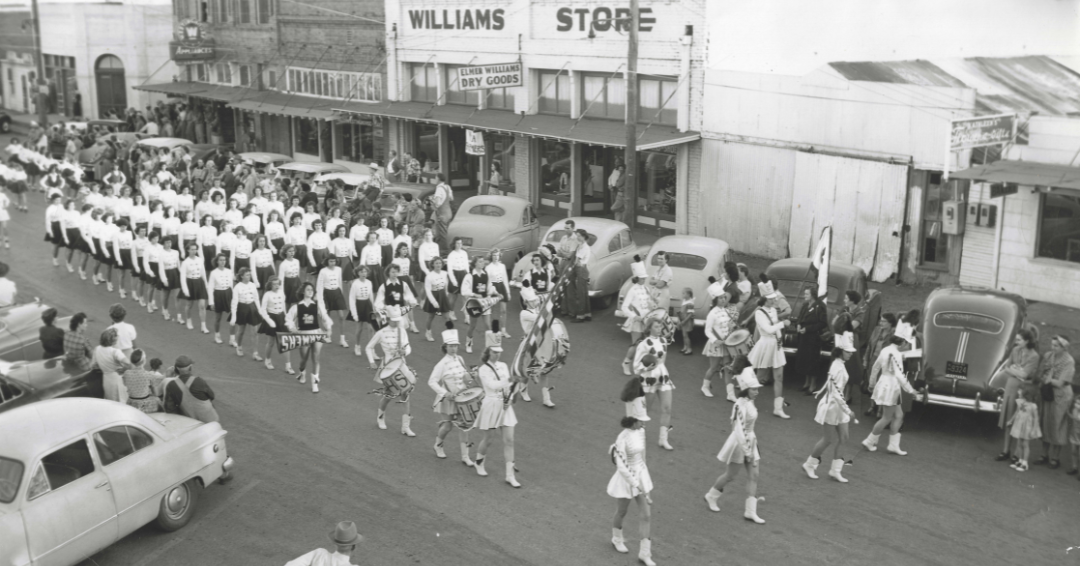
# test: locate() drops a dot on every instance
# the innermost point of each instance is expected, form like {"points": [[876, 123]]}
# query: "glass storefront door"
{"points": [[464, 168], [597, 164], [554, 176], [657, 186]]}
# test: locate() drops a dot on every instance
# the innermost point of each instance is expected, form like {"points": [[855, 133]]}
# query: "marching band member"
{"points": [[333, 220], [402, 237], [140, 213], [394, 292], [341, 247], [358, 234], [296, 236], [310, 216], [457, 266], [185, 201], [767, 356], [649, 363], [244, 308], [275, 230], [475, 285], [436, 289], [193, 286], [294, 208], [371, 257], [318, 246], [217, 208], [741, 446], [403, 260], [138, 251], [189, 231], [274, 204], [150, 269], [92, 227], [272, 310], [289, 272], [170, 227], [833, 413], [497, 282], [207, 241], [497, 410], [169, 274], [225, 243], [394, 341], [70, 220], [636, 304], [122, 244], [106, 233], [262, 262], [219, 289], [718, 325], [450, 377], [385, 237], [530, 312], [252, 221], [203, 206], [241, 251], [427, 251], [309, 317], [328, 286], [233, 215], [124, 204], [631, 481], [887, 380], [361, 306]]}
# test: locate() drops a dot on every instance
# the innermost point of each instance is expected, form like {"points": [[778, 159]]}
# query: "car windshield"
{"points": [[969, 321], [487, 210], [10, 476], [791, 289], [685, 261], [555, 235]]}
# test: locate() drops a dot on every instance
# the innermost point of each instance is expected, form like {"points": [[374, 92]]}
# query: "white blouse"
{"points": [[371, 255], [329, 279], [496, 272], [207, 236], [273, 302], [244, 293], [220, 280], [385, 236], [296, 235], [289, 269], [342, 248], [359, 232], [457, 260]]}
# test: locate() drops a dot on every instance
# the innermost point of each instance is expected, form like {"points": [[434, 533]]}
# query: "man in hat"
{"points": [[394, 341], [345, 538], [188, 395]]}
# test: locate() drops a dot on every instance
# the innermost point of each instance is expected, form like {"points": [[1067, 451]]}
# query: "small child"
{"points": [[155, 366], [1025, 425], [159, 385], [686, 318], [1074, 434]]}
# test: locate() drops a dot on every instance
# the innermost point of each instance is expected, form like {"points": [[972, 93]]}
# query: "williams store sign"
{"points": [[192, 42]]}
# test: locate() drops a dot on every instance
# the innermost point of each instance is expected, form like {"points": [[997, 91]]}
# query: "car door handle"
{"points": [[102, 484]]}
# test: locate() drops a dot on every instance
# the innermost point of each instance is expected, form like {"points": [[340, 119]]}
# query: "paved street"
{"points": [[306, 461]]}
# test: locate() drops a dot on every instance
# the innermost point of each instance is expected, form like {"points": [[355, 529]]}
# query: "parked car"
{"points": [[89, 156], [693, 259], [308, 171], [77, 475], [968, 334], [5, 122], [613, 250], [391, 192], [260, 159], [791, 275], [204, 151], [19, 326], [488, 222], [351, 181], [22, 383]]}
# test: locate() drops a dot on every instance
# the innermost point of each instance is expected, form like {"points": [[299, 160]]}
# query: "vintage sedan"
{"points": [[488, 222], [77, 475], [398, 189], [791, 276], [19, 326], [198, 151], [693, 259], [968, 334], [613, 251], [308, 171], [260, 159], [22, 383]]}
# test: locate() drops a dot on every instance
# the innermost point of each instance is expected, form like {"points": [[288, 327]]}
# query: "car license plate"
{"points": [[956, 370], [466, 241]]}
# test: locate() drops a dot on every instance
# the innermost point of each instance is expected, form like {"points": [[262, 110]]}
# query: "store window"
{"points": [[307, 136], [1059, 226], [356, 142], [454, 93], [598, 162], [244, 12], [424, 81], [933, 243], [426, 150], [223, 73], [657, 101], [363, 87], [502, 158], [555, 169], [555, 92], [657, 182], [500, 98], [199, 72], [245, 75], [604, 97], [266, 9], [223, 10]]}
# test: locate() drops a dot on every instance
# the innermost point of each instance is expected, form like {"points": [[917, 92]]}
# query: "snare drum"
{"points": [[397, 378], [467, 407], [670, 324]]}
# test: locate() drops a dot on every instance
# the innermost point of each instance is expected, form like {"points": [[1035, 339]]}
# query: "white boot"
{"points": [[358, 350], [204, 329], [439, 452], [894, 445], [314, 383], [344, 344], [870, 442], [834, 471], [645, 554], [380, 420], [547, 397], [217, 337], [480, 471], [664, 430], [428, 336], [618, 541], [778, 408], [525, 395], [190, 324], [465, 459], [713, 499], [626, 367], [510, 479], [706, 388], [751, 511], [810, 466], [730, 392], [232, 340], [406, 420]]}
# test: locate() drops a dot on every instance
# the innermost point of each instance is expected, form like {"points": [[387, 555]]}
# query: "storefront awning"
{"points": [[285, 104], [611, 133], [1024, 173], [223, 93]]}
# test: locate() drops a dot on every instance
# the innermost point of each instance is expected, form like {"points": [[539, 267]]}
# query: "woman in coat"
{"points": [[1057, 371], [1021, 367], [812, 321]]}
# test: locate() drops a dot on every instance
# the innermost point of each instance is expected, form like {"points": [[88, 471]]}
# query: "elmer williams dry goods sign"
{"points": [[489, 76]]}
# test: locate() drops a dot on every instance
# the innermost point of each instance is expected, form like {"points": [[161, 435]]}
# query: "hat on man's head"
{"points": [[182, 362], [345, 534]]}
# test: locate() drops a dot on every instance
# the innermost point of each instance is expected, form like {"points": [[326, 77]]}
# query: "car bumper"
{"points": [[977, 404]]}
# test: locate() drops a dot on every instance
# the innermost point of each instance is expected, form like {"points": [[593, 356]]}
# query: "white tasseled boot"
{"points": [[706, 388], [834, 471], [664, 431], [439, 452], [480, 471], [314, 383], [778, 408], [618, 540], [232, 340], [406, 420], [525, 395], [465, 459], [510, 479], [204, 329], [870, 442], [810, 466], [380, 420], [627, 369], [645, 554], [713, 499], [894, 445], [730, 392], [751, 511], [546, 391]]}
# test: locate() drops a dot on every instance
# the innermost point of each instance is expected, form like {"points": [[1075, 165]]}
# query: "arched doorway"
{"points": [[111, 87]]}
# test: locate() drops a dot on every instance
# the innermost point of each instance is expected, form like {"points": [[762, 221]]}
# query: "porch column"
{"points": [[575, 180]]}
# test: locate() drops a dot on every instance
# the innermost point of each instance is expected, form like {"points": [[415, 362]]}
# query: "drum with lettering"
{"points": [[479, 307], [669, 323], [467, 407], [397, 379]]}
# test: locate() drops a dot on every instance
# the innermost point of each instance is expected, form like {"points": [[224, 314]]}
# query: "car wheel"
{"points": [[5, 126], [178, 506], [606, 301]]}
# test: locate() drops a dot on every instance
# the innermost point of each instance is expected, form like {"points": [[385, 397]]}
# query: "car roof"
{"points": [[164, 142], [697, 245], [975, 299], [263, 156], [313, 167], [591, 224], [511, 204], [41, 426], [351, 179]]}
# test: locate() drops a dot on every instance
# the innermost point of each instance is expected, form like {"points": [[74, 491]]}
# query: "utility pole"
{"points": [[631, 80], [42, 90]]}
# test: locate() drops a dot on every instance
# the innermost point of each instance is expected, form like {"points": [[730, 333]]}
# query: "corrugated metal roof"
{"points": [[1026, 173], [1034, 83]]}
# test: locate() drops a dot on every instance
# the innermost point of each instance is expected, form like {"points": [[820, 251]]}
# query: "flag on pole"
{"points": [[821, 259], [526, 352]]}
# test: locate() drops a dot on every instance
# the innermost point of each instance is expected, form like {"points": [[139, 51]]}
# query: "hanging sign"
{"points": [[192, 41], [982, 131], [474, 142], [481, 77]]}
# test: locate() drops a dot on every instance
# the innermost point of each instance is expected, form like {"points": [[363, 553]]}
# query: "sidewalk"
{"points": [[20, 123]]}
